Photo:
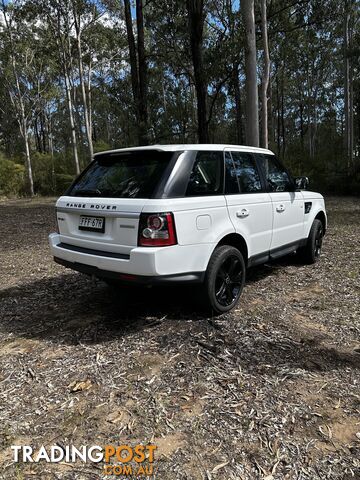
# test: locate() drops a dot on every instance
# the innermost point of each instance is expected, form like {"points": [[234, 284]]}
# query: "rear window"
{"points": [[128, 175], [206, 177]]}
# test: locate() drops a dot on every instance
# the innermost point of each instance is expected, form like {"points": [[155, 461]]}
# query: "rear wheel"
{"points": [[312, 250], [224, 279]]}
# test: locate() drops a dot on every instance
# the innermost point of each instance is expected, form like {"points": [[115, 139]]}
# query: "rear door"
{"points": [[287, 205], [249, 205]]}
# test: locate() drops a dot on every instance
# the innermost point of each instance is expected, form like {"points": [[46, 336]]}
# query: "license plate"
{"points": [[93, 224]]}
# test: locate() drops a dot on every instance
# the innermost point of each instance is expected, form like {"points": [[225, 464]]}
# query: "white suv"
{"points": [[186, 213]]}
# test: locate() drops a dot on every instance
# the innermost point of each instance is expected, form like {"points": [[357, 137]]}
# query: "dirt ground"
{"points": [[270, 391]]}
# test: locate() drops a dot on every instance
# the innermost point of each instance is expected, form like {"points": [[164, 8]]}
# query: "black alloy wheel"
{"points": [[311, 252], [228, 281], [224, 279]]}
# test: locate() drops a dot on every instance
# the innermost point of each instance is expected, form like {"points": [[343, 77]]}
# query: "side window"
{"points": [[231, 181], [276, 176], [247, 173], [206, 177]]}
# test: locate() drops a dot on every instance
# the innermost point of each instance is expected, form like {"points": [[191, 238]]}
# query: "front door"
{"points": [[287, 206]]}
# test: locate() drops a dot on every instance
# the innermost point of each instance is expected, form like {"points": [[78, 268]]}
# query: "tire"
{"points": [[224, 279], [311, 252]]}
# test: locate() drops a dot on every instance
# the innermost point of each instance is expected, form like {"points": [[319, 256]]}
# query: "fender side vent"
{"points": [[308, 206]]}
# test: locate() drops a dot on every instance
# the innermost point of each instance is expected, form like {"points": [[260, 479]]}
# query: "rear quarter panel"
{"points": [[198, 220]]}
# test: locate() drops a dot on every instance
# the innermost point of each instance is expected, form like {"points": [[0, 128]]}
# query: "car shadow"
{"points": [[71, 309], [58, 308]]}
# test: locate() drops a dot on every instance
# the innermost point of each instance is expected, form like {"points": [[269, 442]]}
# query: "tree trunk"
{"points": [[48, 121], [351, 101], [142, 100], [72, 121], [28, 160], [132, 51], [61, 34], [351, 116], [302, 132], [308, 106], [265, 78], [138, 68], [347, 88], [89, 98], [77, 21], [43, 131], [196, 18], [238, 105], [37, 136], [283, 130], [251, 88], [271, 113], [278, 120]]}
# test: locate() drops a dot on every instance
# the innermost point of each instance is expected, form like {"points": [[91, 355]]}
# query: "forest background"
{"points": [[81, 76]]}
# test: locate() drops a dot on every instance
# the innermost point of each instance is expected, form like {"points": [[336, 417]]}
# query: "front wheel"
{"points": [[312, 250], [224, 279]]}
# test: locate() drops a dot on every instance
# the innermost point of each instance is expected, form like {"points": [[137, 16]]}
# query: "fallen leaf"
{"points": [[116, 417], [218, 467], [80, 386]]}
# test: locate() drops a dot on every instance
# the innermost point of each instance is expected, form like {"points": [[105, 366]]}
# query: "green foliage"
{"points": [[101, 146], [11, 177], [43, 172], [63, 182], [52, 174]]}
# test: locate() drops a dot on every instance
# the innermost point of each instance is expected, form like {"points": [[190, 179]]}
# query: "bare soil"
{"points": [[270, 391]]}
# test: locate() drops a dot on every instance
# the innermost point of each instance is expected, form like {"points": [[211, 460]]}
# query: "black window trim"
{"points": [[256, 165]]}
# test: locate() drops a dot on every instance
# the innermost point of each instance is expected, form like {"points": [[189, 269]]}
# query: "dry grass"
{"points": [[270, 391]]}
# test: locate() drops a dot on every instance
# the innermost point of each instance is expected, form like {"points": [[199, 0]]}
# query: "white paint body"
{"points": [[265, 221]]}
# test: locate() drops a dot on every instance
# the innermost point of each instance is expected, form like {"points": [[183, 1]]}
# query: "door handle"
{"points": [[280, 208], [243, 213]]}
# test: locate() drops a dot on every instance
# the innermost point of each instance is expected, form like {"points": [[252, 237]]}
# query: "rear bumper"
{"points": [[147, 265], [193, 277]]}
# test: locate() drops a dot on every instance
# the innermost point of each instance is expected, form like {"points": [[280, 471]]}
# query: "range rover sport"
{"points": [[186, 213]]}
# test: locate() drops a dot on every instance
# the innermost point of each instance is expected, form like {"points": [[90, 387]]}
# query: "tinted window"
{"points": [[276, 176], [246, 172], [206, 177], [231, 181], [123, 176]]}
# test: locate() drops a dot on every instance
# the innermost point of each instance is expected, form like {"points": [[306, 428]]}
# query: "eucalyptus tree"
{"points": [[138, 67], [84, 16], [61, 24], [196, 18], [351, 18], [20, 74], [265, 79], [252, 103]]}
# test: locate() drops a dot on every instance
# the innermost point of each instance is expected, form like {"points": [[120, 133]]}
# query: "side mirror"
{"points": [[301, 183]]}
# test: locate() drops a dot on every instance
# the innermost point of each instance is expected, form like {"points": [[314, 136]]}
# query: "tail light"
{"points": [[157, 230]]}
